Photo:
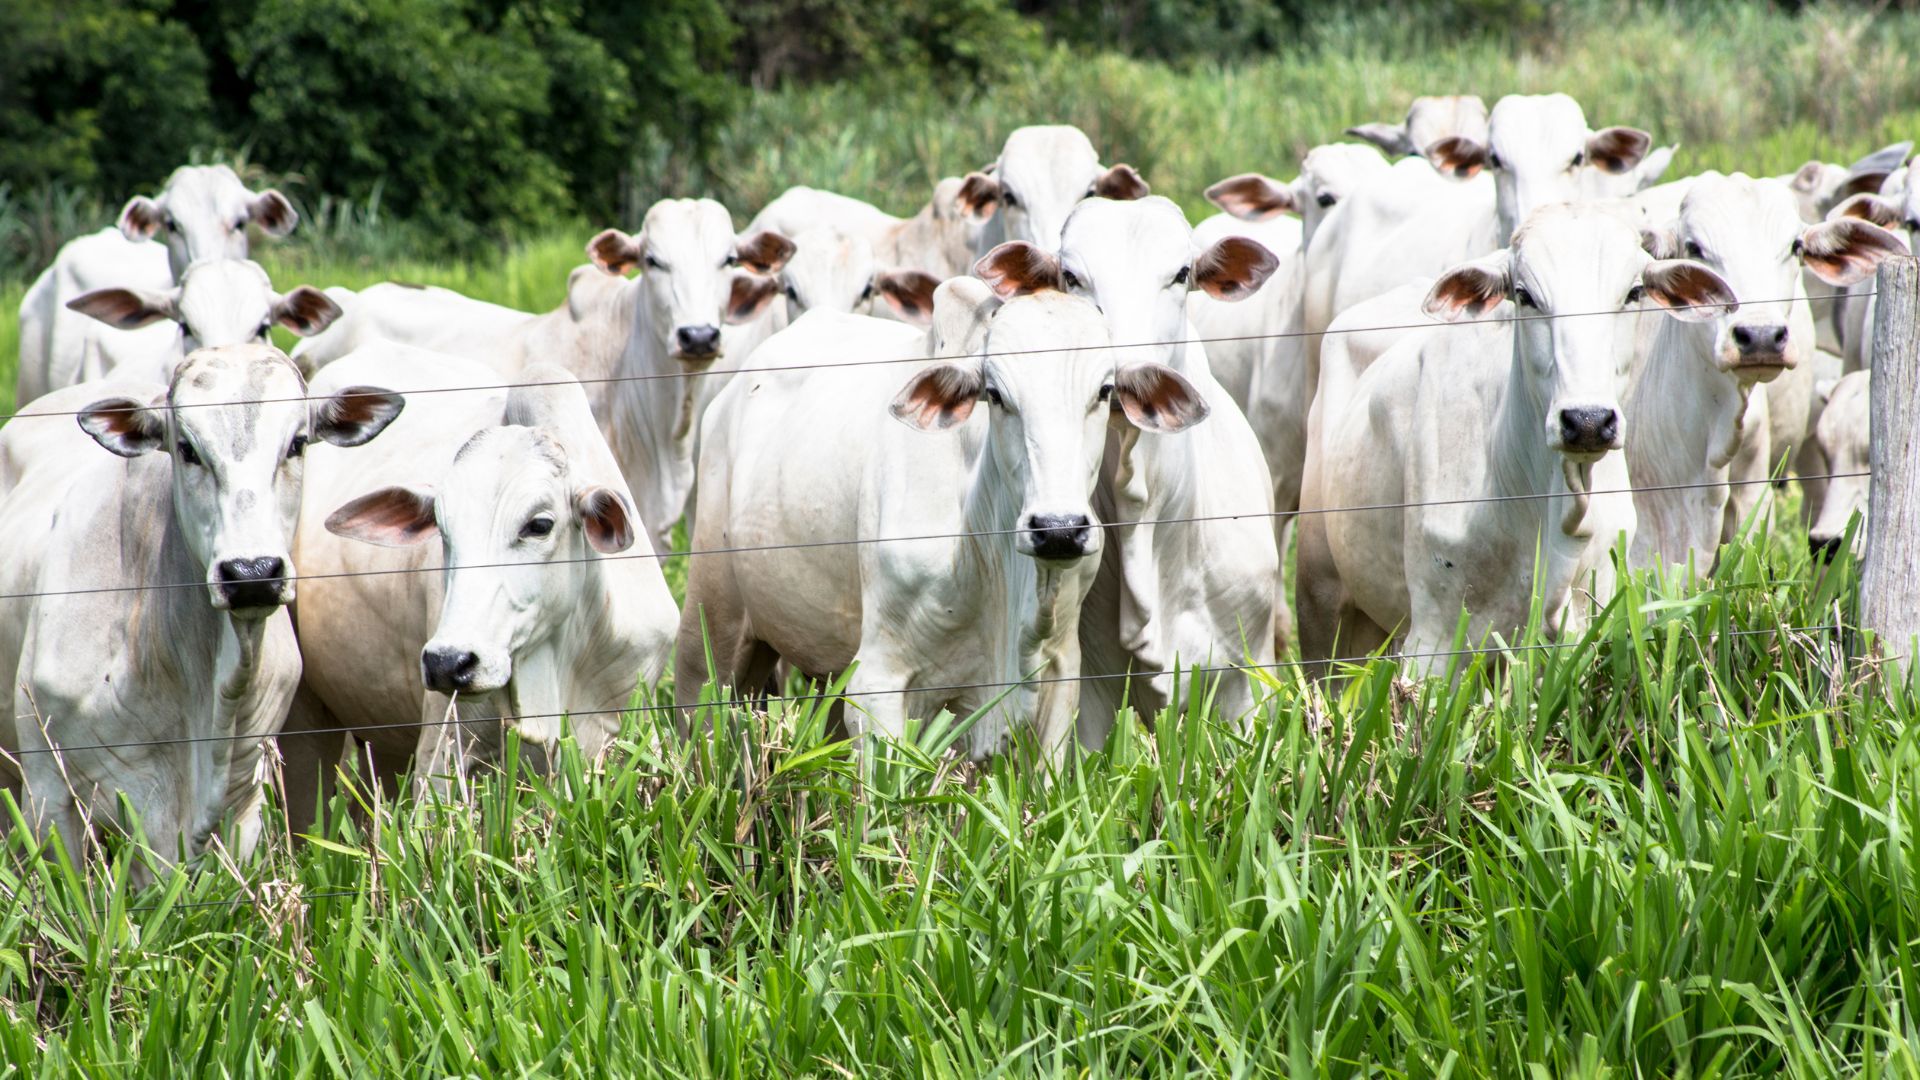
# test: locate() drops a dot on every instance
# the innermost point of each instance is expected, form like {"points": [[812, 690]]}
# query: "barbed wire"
{"points": [[28, 412]]}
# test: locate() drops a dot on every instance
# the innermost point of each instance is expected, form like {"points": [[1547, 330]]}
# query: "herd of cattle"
{"points": [[1034, 451]]}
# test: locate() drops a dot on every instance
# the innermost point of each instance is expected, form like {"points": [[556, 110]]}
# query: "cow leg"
{"points": [[311, 748]]}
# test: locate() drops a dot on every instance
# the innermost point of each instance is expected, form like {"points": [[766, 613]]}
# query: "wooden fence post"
{"points": [[1890, 581]]}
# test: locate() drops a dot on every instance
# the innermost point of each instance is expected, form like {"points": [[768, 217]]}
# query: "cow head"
{"points": [[203, 213], [1749, 231], [1540, 149], [236, 422], [1137, 262], [834, 271], [1819, 186], [695, 274], [1571, 260], [222, 302], [520, 514], [1841, 434], [1050, 385], [1042, 173], [1896, 206], [1328, 174], [1430, 119]]}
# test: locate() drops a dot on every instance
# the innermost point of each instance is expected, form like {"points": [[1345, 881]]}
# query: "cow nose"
{"points": [[1823, 548], [1760, 339], [252, 583], [1059, 536], [698, 340], [1589, 429], [447, 669]]}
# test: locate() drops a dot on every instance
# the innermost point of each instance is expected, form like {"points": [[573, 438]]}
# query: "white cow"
{"points": [[1819, 186], [939, 240], [997, 499], [118, 647], [1173, 592], [1430, 119], [1695, 391], [554, 604], [218, 302], [648, 351], [1041, 174], [837, 271], [201, 214], [1843, 436], [1455, 416]]}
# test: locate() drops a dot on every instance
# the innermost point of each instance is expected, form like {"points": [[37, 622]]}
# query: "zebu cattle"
{"points": [[1041, 175], [1846, 452], [939, 240], [488, 550], [988, 463], [649, 351], [836, 271], [161, 576]]}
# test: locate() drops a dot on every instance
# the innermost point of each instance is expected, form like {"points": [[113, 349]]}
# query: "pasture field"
{"points": [[1684, 844]]}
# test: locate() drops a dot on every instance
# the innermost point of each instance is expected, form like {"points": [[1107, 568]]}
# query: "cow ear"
{"points": [[939, 397], [1121, 183], [127, 309], [274, 213], [1234, 268], [615, 251], [306, 311], [1467, 292], [1618, 149], [1157, 398], [1252, 197], [1846, 251], [749, 296], [1690, 291], [962, 308], [1807, 180], [124, 425], [141, 218], [355, 415], [389, 517], [1017, 268], [765, 252], [607, 519], [979, 197], [1656, 165], [1661, 242], [1882, 212], [1457, 156], [909, 293], [1390, 138], [1861, 184]]}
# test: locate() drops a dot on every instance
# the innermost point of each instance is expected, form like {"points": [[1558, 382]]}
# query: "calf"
{"points": [[111, 648], [202, 214], [541, 597], [1041, 174], [947, 555], [649, 351], [1455, 423]]}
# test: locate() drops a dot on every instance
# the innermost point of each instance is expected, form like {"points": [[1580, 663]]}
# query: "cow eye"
{"points": [[185, 452], [537, 527], [994, 398], [1579, 159], [1068, 279], [1009, 197], [1493, 162], [1106, 391], [1636, 294], [170, 224], [1180, 276], [1523, 298], [793, 294], [1326, 199], [297, 447], [655, 264], [1800, 247], [867, 293], [1693, 250], [732, 260]]}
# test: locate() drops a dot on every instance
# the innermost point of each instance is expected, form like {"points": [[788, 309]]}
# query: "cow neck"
{"points": [[1689, 419], [654, 407], [1523, 463], [1035, 604]]}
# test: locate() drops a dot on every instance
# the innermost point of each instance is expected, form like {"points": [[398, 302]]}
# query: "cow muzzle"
{"points": [[1760, 350], [1588, 431], [1056, 537], [451, 669], [253, 586], [696, 344]]}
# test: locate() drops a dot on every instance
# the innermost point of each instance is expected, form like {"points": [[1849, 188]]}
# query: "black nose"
{"points": [[698, 340], [1823, 548], [447, 670], [1589, 429], [1059, 536], [252, 583], [1760, 339]]}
